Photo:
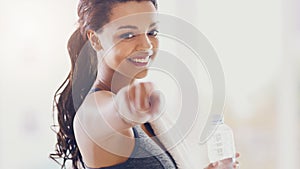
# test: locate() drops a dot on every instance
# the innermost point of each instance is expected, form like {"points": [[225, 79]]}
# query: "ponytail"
{"points": [[74, 89]]}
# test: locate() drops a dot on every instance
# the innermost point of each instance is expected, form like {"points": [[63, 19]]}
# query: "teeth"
{"points": [[145, 60]]}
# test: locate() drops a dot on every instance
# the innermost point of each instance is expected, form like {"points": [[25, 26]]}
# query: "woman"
{"points": [[103, 112]]}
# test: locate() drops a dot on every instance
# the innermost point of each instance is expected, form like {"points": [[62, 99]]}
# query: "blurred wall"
{"points": [[33, 63]]}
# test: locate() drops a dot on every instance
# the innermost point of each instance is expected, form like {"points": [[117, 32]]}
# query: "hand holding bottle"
{"points": [[228, 163], [221, 148]]}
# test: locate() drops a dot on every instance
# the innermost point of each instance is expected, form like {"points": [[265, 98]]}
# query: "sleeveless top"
{"points": [[147, 154]]}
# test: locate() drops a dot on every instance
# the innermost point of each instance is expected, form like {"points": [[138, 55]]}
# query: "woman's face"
{"points": [[129, 42]]}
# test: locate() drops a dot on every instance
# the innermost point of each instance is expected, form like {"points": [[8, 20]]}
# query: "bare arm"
{"points": [[102, 114]]}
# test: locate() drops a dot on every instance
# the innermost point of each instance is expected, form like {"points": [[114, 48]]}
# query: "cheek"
{"points": [[155, 44], [117, 55]]}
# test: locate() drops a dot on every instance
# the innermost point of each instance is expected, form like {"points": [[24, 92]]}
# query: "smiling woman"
{"points": [[128, 43], [104, 113]]}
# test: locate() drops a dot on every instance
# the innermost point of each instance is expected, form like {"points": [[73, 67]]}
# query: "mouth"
{"points": [[140, 61]]}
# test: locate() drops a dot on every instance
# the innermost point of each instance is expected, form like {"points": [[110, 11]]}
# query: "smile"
{"points": [[140, 61]]}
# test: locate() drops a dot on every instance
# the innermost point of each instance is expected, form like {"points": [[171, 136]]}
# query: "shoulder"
{"points": [[98, 98], [101, 93]]}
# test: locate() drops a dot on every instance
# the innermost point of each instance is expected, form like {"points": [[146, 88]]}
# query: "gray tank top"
{"points": [[146, 154]]}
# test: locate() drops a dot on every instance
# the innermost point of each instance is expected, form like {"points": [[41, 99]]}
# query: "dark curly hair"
{"points": [[93, 14]]}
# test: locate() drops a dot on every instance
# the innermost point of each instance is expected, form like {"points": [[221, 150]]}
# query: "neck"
{"points": [[109, 79]]}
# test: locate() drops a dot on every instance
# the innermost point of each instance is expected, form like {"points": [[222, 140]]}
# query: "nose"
{"points": [[144, 43]]}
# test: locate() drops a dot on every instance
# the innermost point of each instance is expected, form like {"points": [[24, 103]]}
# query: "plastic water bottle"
{"points": [[221, 144]]}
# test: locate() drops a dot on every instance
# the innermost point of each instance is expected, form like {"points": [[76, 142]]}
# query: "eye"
{"points": [[153, 33], [128, 35]]}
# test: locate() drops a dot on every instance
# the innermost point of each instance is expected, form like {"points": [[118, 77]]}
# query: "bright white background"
{"points": [[257, 42]]}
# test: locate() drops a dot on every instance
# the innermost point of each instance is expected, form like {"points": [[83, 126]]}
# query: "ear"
{"points": [[94, 40]]}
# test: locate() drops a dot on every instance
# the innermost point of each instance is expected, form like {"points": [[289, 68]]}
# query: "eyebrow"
{"points": [[128, 27], [154, 24], [134, 27]]}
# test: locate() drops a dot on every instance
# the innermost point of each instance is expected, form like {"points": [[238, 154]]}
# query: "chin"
{"points": [[141, 74]]}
